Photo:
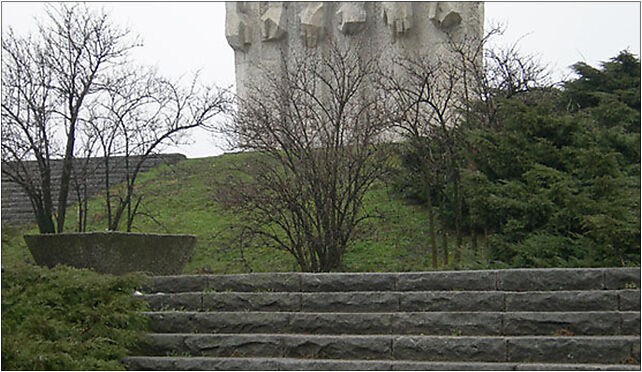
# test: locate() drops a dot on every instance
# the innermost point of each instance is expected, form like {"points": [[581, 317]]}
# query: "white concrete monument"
{"points": [[265, 33]]}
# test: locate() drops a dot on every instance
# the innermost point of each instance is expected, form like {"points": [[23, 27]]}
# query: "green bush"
{"points": [[554, 181], [68, 319], [561, 173]]}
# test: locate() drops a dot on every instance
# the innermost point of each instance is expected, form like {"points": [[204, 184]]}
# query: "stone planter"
{"points": [[113, 252]]}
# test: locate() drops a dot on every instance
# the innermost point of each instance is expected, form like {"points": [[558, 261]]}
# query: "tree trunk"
{"points": [[486, 246], [473, 233], [80, 206], [444, 231], [65, 177], [132, 213], [431, 226], [107, 191], [85, 203], [458, 217], [45, 223], [444, 243], [46, 200]]}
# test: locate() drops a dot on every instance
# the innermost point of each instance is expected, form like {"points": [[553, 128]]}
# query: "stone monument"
{"points": [[264, 34]]}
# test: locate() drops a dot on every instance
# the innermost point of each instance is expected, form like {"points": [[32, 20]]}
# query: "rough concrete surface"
{"points": [[113, 252]]}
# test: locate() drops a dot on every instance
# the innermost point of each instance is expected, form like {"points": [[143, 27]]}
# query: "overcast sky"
{"points": [[183, 37]]}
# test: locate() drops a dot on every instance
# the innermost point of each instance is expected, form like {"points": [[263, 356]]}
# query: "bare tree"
{"points": [[47, 84], [431, 97], [425, 101], [504, 73], [82, 170], [139, 115], [71, 94], [494, 72], [315, 128]]}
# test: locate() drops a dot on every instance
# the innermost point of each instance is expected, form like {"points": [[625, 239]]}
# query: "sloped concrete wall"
{"points": [[16, 208], [266, 34]]}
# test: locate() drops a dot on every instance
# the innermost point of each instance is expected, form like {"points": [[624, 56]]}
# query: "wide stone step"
{"points": [[530, 349], [478, 280], [289, 364], [477, 301], [424, 323]]}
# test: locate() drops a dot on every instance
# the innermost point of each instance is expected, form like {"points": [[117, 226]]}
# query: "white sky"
{"points": [[183, 37]]}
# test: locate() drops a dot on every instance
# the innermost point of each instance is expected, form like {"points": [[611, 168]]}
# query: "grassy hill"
{"points": [[181, 199]]}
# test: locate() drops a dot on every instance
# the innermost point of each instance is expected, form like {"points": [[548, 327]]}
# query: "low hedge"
{"points": [[68, 319]]}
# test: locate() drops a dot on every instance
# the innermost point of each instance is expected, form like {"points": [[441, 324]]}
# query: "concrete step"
{"points": [[430, 323], [529, 349], [516, 280], [289, 364], [550, 319], [428, 301]]}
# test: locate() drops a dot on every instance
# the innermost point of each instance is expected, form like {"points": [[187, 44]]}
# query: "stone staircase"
{"points": [[522, 319]]}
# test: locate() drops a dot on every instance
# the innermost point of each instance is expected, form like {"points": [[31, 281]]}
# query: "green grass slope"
{"points": [[181, 199]]}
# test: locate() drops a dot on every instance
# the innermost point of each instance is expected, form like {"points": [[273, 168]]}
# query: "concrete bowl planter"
{"points": [[113, 252]]}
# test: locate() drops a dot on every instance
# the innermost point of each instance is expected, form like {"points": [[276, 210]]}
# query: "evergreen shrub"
{"points": [[68, 319]]}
